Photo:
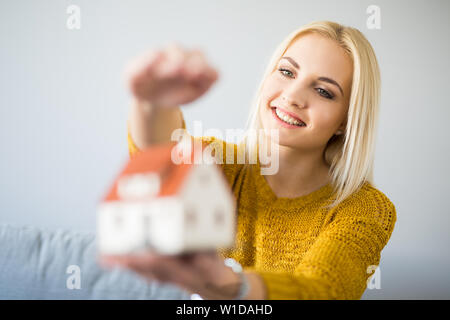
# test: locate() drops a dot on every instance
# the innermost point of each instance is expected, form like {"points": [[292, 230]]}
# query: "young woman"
{"points": [[316, 228]]}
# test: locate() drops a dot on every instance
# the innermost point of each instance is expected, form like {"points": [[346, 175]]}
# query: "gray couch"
{"points": [[62, 264]]}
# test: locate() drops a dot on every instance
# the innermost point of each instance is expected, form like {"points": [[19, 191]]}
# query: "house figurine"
{"points": [[158, 205]]}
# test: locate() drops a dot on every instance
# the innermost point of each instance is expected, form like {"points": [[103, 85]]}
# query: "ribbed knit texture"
{"points": [[301, 250]]}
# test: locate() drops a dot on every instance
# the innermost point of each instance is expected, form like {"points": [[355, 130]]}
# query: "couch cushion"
{"points": [[47, 264]]}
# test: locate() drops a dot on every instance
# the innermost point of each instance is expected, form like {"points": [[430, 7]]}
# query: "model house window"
{"points": [[219, 216], [191, 217]]}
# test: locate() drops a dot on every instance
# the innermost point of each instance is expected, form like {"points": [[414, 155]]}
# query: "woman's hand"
{"points": [[170, 77], [203, 273]]}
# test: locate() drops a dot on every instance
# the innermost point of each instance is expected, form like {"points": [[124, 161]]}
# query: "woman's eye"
{"points": [[285, 70], [325, 93]]}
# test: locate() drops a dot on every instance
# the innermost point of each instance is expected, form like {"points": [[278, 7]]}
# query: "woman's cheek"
{"points": [[324, 131]]}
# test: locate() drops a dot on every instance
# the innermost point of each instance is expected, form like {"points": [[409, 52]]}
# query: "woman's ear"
{"points": [[340, 130]]}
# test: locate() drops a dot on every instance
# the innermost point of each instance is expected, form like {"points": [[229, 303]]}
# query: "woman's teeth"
{"points": [[288, 119]]}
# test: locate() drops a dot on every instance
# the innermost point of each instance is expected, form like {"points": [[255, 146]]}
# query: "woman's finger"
{"points": [[166, 269], [109, 261], [149, 266], [174, 56], [155, 273]]}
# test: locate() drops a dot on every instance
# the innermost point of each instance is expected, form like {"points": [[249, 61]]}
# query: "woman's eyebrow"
{"points": [[324, 79], [291, 61]]}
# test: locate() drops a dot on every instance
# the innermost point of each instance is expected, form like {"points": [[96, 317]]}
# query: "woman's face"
{"points": [[312, 82]]}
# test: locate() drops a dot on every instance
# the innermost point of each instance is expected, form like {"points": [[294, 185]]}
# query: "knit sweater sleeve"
{"points": [[345, 254]]}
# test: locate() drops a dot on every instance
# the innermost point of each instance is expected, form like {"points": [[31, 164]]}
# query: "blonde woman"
{"points": [[316, 228]]}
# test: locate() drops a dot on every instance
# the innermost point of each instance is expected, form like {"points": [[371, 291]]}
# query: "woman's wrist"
{"points": [[257, 287], [232, 283], [152, 124], [225, 288]]}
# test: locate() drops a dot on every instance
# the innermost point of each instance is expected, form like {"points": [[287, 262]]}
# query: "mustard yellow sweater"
{"points": [[301, 250]]}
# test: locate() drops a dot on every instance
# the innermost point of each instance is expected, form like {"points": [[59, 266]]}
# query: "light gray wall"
{"points": [[64, 107]]}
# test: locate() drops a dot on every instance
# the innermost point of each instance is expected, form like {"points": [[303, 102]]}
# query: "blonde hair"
{"points": [[350, 155]]}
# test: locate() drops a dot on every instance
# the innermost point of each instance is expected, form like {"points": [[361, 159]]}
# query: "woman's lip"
{"points": [[291, 114], [282, 123]]}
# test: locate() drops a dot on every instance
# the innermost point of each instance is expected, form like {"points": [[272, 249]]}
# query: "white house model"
{"points": [[165, 207]]}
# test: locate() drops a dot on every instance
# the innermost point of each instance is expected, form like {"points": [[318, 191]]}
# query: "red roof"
{"points": [[157, 159]]}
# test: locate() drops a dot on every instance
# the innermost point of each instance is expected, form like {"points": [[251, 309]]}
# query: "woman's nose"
{"points": [[292, 101], [295, 95]]}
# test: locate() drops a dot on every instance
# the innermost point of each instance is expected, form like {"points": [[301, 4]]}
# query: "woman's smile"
{"points": [[286, 120]]}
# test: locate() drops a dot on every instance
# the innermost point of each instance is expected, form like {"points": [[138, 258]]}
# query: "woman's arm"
{"points": [[342, 258], [258, 290], [150, 124], [160, 81]]}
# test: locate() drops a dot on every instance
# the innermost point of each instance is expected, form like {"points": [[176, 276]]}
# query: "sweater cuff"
{"points": [[288, 286], [132, 148]]}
